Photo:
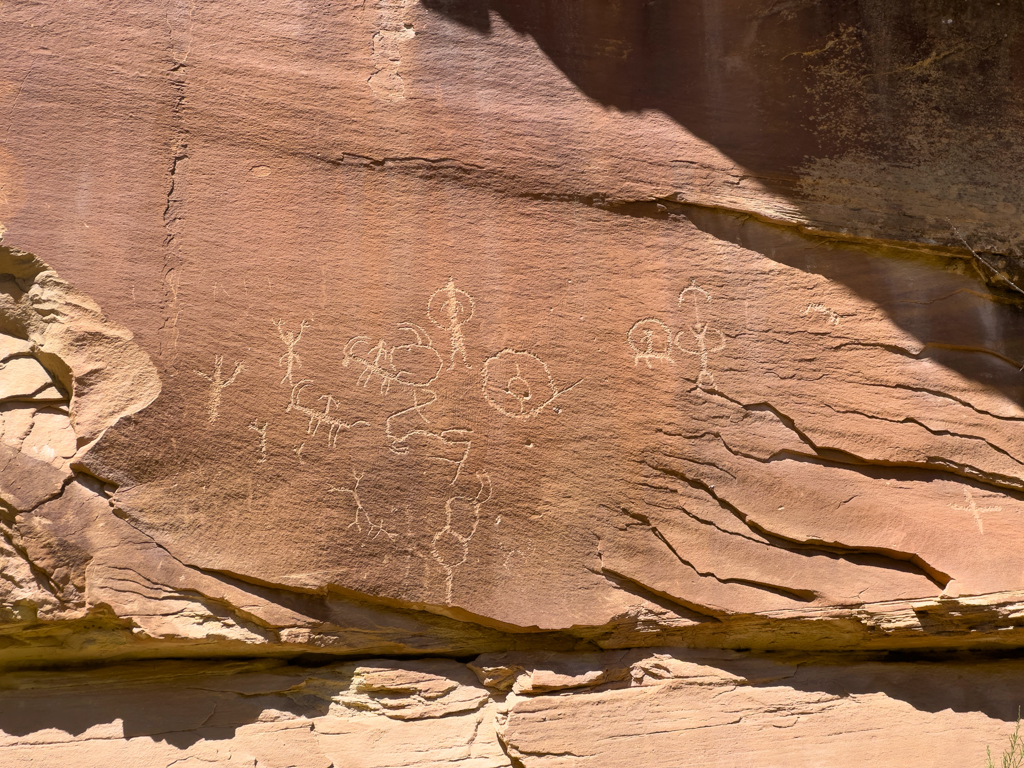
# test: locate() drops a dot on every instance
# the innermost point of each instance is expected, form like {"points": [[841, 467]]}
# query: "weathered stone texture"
{"points": [[546, 330]]}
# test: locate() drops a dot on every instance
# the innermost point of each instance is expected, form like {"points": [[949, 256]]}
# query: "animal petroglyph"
{"points": [[450, 546], [449, 309], [519, 384], [410, 365], [218, 384], [974, 509], [650, 339], [290, 359], [831, 316], [700, 330], [317, 418], [262, 432]]}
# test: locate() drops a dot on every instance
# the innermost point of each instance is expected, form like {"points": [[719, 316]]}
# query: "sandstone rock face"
{"points": [[664, 708], [509, 338]]}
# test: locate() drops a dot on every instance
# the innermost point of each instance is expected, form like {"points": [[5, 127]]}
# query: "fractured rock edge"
{"points": [[513, 709], [129, 612]]}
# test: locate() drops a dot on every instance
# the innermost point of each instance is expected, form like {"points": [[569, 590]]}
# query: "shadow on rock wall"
{"points": [[887, 110]]}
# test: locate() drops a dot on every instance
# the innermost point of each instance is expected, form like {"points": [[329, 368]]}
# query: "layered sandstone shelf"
{"points": [[511, 710]]}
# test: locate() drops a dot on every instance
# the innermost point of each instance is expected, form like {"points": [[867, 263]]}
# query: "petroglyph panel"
{"points": [[696, 423]]}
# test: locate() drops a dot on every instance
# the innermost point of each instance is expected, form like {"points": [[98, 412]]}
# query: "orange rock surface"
{"points": [[516, 382]]}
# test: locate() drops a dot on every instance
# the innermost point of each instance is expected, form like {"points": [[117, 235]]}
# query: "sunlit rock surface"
{"points": [[363, 358]]}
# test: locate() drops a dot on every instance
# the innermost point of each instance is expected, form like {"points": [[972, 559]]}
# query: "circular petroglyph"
{"points": [[518, 384]]}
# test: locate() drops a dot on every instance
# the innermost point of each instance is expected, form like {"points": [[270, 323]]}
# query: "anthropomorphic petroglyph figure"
{"points": [[700, 330], [450, 546], [974, 509], [262, 432], [415, 364], [449, 309], [650, 339], [696, 293], [290, 359], [831, 316], [519, 384], [218, 384], [317, 418]]}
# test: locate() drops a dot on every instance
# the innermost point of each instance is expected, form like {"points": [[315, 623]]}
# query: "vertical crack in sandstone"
{"points": [[179, 26]]}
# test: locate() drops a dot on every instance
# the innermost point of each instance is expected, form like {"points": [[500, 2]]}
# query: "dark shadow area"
{"points": [[176, 702], [773, 82], [962, 322], [993, 688], [961, 682]]}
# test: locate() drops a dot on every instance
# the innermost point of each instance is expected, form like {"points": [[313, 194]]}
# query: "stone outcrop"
{"points": [[666, 708], [516, 382]]}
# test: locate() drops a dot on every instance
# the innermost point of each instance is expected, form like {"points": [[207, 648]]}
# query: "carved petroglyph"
{"points": [[317, 418], [354, 492], [449, 309], [262, 432], [450, 545], [374, 530], [409, 365], [650, 339], [218, 384], [696, 292], [445, 440], [290, 359], [519, 384], [974, 509], [386, 82], [700, 330], [830, 316]]}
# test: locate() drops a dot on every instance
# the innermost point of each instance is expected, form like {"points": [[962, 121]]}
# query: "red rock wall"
{"points": [[454, 327]]}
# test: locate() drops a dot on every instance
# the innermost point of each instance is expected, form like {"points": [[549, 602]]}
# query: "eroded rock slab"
{"points": [[445, 327], [664, 708]]}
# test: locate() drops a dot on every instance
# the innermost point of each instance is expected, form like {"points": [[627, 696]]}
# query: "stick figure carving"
{"points": [[218, 384], [290, 359], [705, 379], [650, 339], [700, 330], [449, 309], [519, 384], [262, 432], [450, 546], [974, 509]]}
